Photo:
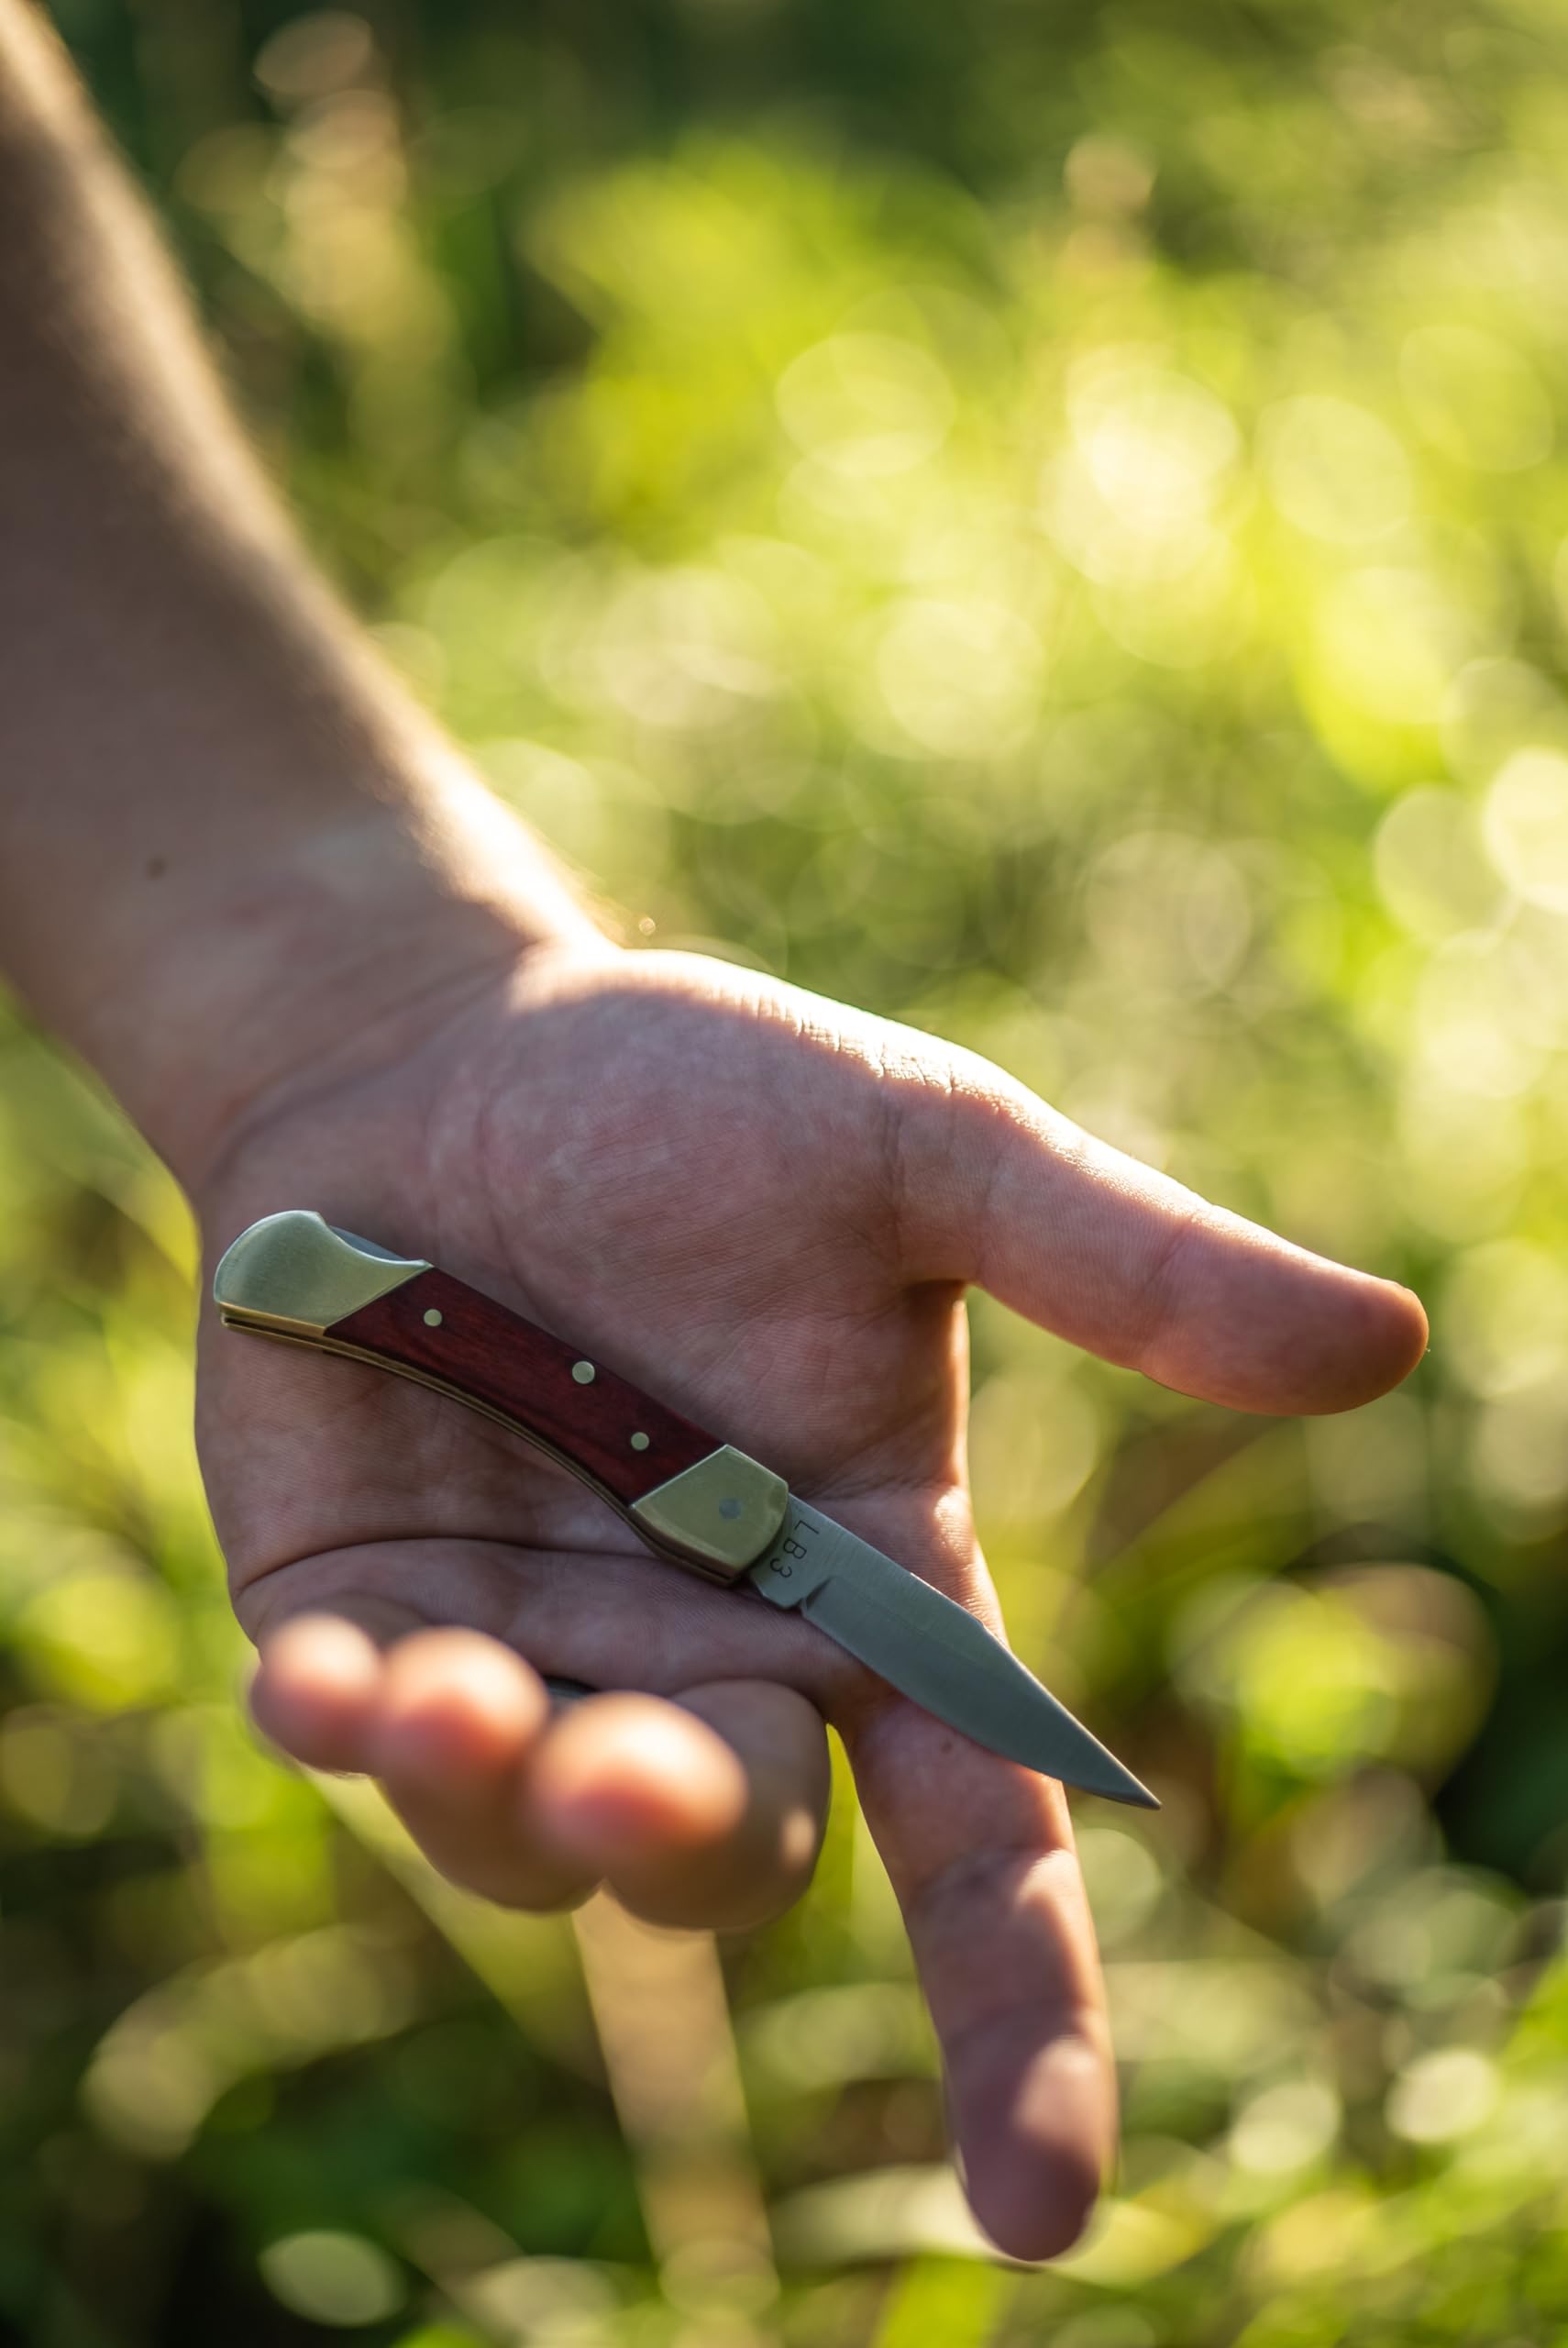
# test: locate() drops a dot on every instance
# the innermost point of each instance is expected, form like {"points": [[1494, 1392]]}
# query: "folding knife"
{"points": [[696, 1503]]}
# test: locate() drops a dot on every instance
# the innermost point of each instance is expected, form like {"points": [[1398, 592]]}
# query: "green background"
{"points": [[1052, 522]]}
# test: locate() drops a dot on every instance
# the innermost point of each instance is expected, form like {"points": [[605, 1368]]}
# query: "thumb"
{"points": [[998, 1190]]}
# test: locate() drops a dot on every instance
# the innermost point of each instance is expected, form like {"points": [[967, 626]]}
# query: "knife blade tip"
{"points": [[1116, 1783]]}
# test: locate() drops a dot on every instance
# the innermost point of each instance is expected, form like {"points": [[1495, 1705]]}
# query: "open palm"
{"points": [[764, 1209]]}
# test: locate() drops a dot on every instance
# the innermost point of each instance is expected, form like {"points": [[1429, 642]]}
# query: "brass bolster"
{"points": [[296, 1275], [719, 1517]]}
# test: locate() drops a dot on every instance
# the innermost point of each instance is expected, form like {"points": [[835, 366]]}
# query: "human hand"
{"points": [[764, 1209], [760, 1207]]}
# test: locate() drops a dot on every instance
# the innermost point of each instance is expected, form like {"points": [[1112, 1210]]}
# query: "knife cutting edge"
{"points": [[695, 1501]]}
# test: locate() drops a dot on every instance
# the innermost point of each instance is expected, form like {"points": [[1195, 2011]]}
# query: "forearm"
{"points": [[224, 829]]}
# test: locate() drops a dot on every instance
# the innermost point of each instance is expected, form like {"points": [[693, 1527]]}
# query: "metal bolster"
{"points": [[296, 1274], [718, 1517]]}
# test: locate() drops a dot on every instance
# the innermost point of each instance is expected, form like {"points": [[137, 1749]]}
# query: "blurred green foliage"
{"points": [[1051, 522]]}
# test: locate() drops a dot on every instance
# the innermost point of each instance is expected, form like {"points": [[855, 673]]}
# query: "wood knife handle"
{"points": [[445, 1333], [695, 1500]]}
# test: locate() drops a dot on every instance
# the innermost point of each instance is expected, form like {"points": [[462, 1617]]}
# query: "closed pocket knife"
{"points": [[696, 1503]]}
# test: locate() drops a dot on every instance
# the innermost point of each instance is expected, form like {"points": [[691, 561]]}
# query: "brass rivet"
{"points": [[639, 1442], [432, 1319], [583, 1372]]}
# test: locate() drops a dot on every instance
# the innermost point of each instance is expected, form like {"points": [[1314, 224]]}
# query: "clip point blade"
{"points": [[935, 1653], [985, 1693]]}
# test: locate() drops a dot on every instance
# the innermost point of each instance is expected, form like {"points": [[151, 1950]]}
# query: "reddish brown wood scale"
{"points": [[481, 1351]]}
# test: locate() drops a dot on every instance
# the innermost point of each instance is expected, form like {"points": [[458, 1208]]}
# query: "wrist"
{"points": [[348, 945]]}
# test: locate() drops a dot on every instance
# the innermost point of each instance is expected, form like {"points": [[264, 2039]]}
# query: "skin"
{"points": [[814, 1314], [321, 968]]}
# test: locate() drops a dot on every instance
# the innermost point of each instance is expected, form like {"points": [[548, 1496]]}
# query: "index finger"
{"points": [[980, 1854]]}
